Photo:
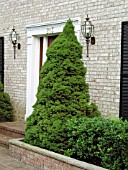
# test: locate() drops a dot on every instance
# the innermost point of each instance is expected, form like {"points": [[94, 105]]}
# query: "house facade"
{"points": [[38, 23]]}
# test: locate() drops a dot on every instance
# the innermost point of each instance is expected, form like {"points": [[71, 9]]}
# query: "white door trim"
{"points": [[34, 32]]}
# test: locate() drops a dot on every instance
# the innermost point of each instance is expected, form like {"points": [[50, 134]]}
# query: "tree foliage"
{"points": [[6, 109], [99, 141], [62, 93]]}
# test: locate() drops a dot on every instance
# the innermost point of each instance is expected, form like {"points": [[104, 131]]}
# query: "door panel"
{"points": [[41, 52], [50, 40]]}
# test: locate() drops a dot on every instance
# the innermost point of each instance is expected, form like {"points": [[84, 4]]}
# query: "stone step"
{"points": [[13, 129], [4, 140]]}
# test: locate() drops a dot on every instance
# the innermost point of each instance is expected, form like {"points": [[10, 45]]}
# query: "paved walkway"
{"points": [[8, 163]]}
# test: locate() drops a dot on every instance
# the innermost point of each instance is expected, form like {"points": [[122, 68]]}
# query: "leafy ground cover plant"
{"points": [[62, 93], [99, 141], [6, 109]]}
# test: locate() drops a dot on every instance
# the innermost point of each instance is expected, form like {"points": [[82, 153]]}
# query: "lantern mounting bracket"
{"points": [[14, 38], [87, 30]]}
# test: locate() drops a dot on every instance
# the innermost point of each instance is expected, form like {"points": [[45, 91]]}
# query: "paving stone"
{"points": [[4, 167], [8, 163]]}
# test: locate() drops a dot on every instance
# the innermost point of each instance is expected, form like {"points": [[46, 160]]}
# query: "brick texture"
{"points": [[103, 64], [37, 160]]}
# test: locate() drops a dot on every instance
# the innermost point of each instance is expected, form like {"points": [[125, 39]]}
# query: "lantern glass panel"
{"points": [[92, 30], [10, 37], [83, 30], [88, 29], [14, 37]]}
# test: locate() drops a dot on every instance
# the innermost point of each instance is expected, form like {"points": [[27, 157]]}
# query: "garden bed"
{"points": [[44, 159]]}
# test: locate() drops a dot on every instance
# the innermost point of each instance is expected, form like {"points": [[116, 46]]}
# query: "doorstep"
{"points": [[11, 130]]}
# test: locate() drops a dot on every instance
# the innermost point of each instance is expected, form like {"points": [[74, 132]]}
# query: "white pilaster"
{"points": [[45, 47]]}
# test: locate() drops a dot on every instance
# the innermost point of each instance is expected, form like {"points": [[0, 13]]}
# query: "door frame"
{"points": [[34, 32]]}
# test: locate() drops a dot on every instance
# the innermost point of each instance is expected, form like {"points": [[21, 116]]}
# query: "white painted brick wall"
{"points": [[103, 64]]}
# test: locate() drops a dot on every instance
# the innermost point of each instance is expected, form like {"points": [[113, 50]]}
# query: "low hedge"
{"points": [[99, 141]]}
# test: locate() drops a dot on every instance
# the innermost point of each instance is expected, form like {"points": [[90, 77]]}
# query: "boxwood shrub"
{"points": [[99, 141], [6, 109]]}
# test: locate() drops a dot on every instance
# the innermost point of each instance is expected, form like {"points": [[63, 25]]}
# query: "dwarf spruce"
{"points": [[62, 93]]}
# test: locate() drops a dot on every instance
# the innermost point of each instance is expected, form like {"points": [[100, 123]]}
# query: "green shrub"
{"points": [[6, 109], [99, 141], [62, 93]]}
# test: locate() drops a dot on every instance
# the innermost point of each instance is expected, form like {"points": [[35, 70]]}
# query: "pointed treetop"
{"points": [[69, 30], [66, 41]]}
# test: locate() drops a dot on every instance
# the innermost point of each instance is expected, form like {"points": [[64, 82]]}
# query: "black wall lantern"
{"points": [[14, 37], [87, 30]]}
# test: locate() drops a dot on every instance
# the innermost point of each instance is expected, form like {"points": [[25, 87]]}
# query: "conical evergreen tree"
{"points": [[62, 92]]}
